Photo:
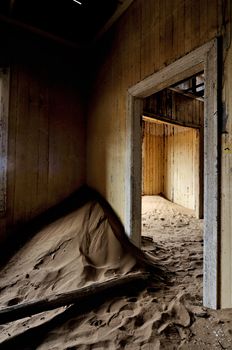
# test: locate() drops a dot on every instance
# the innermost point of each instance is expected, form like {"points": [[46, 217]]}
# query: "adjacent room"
{"points": [[172, 176], [172, 156]]}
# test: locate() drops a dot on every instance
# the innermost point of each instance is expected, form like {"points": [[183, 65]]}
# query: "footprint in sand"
{"points": [[14, 301], [132, 300], [97, 323]]}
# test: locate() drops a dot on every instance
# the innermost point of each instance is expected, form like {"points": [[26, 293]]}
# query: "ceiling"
{"points": [[65, 19]]}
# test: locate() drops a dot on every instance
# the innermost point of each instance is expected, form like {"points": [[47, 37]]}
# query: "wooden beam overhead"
{"points": [[122, 7], [155, 118], [39, 32]]}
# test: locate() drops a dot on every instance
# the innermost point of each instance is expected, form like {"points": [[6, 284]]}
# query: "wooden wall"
{"points": [[153, 158], [171, 163], [181, 166], [180, 175], [46, 141], [175, 107], [149, 36]]}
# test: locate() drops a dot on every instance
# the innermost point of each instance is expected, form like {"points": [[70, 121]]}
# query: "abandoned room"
{"points": [[116, 174]]}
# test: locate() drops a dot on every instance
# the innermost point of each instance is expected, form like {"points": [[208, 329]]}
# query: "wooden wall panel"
{"points": [[153, 158], [178, 143], [171, 163], [4, 115], [46, 148], [174, 106], [181, 166]]}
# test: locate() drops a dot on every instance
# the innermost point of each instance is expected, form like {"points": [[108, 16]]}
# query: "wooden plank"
{"points": [[169, 25], [188, 25], [157, 45], [133, 171], [13, 114], [226, 178], [162, 25], [203, 28], [195, 21], [180, 33], [211, 190], [39, 32], [164, 120], [196, 159], [153, 161], [4, 115], [31, 150], [43, 145], [122, 7], [16, 312], [20, 162], [146, 39]]}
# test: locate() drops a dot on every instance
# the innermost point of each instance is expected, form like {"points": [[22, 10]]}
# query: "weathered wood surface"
{"points": [[4, 115], [46, 141], [153, 158], [181, 166], [81, 295], [176, 108], [211, 296], [171, 163]]}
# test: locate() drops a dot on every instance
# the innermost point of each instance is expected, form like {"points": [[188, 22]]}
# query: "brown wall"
{"points": [[46, 151], [150, 35]]}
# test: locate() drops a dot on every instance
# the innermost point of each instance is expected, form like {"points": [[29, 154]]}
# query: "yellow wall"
{"points": [[181, 166], [153, 158], [170, 163]]}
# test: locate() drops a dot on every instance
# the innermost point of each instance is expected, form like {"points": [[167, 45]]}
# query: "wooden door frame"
{"points": [[203, 58]]}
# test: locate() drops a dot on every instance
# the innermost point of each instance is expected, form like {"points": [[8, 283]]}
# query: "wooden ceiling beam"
{"points": [[122, 7], [39, 32]]}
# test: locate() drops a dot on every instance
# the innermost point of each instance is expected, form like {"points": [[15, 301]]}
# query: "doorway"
{"points": [[202, 59]]}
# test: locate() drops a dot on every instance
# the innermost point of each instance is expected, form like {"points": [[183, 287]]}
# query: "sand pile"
{"points": [[74, 251], [86, 247]]}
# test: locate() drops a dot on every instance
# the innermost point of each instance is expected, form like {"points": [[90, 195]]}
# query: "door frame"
{"points": [[203, 58]]}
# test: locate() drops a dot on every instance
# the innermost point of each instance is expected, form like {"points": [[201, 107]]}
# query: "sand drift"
{"points": [[81, 255]]}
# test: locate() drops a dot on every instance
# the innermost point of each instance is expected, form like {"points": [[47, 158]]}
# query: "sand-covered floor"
{"points": [[81, 249]]}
